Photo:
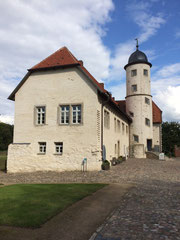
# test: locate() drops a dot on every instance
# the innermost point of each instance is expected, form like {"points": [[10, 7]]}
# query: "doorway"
{"points": [[149, 144]]}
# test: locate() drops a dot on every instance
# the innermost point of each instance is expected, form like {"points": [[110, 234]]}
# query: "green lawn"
{"points": [[31, 205], [3, 157]]}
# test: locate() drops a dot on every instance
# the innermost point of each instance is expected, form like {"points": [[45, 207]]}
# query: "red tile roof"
{"points": [[157, 113], [62, 57]]}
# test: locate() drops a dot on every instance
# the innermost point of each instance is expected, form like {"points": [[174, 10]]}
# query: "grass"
{"points": [[31, 205], [3, 157]]}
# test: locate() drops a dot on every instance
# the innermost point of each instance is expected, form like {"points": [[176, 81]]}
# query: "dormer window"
{"points": [[134, 88], [145, 72], [133, 72]]}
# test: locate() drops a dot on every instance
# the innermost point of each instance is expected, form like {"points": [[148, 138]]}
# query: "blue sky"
{"points": [[102, 34]]}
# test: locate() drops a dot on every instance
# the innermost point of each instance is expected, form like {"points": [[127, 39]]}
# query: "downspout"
{"points": [[102, 122]]}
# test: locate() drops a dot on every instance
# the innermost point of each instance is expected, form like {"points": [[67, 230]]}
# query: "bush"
{"points": [[105, 165]]}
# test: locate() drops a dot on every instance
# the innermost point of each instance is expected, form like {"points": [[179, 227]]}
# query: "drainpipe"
{"points": [[102, 122]]}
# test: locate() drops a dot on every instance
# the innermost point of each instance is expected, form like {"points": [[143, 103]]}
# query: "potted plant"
{"points": [[105, 165], [113, 161]]}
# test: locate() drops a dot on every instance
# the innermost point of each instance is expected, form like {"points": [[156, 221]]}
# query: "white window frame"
{"points": [[64, 113], [40, 115], [123, 128], [118, 125], [76, 112], [42, 147], [58, 148]]}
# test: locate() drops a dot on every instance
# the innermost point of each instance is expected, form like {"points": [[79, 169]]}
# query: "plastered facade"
{"points": [[50, 89], [157, 137], [116, 140], [135, 103]]}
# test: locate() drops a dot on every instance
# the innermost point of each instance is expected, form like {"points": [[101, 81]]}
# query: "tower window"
{"points": [[147, 121], [131, 114], [147, 101], [134, 88], [136, 138], [133, 73], [145, 72]]}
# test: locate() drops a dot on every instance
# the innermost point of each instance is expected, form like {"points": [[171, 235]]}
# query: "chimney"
{"points": [[102, 85], [81, 62]]}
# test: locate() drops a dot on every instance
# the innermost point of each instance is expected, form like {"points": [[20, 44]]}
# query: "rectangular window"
{"points": [[64, 114], [131, 114], [133, 73], [42, 147], [145, 72], [134, 88], [106, 119], [118, 126], [136, 138], [115, 124], [40, 115], [76, 114], [123, 128], [147, 101], [58, 147], [126, 129], [147, 121]]}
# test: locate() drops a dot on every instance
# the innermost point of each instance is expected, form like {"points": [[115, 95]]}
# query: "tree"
{"points": [[6, 135], [170, 137]]}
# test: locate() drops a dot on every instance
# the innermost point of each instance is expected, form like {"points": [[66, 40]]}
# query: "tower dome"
{"points": [[137, 57]]}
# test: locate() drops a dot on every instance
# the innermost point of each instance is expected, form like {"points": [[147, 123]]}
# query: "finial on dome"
{"points": [[136, 43]]}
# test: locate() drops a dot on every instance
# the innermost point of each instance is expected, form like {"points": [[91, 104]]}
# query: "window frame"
{"points": [[58, 145], [132, 87], [133, 72], [134, 138], [42, 145], [147, 100], [60, 114], [76, 123], [106, 119], [42, 123], [147, 122], [145, 71]]}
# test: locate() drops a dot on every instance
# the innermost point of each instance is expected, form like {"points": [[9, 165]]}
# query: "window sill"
{"points": [[41, 153], [57, 154]]}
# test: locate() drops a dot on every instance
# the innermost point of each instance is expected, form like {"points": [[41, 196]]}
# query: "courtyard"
{"points": [[147, 208]]}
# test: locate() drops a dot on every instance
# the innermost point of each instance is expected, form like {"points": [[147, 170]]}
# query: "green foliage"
{"points": [[6, 135], [3, 158], [31, 205], [170, 137]]}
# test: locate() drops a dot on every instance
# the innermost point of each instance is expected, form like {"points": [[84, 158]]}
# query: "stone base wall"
{"points": [[138, 151], [21, 158]]}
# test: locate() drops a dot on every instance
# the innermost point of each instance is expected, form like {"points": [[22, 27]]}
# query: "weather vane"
{"points": [[136, 43]]}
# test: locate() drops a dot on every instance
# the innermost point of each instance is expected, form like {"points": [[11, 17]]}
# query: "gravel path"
{"points": [[151, 210]]}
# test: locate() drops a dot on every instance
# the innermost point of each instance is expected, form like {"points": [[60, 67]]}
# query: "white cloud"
{"points": [[166, 91], [149, 23], [32, 30], [169, 100]]}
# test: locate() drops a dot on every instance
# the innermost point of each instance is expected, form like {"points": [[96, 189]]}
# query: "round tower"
{"points": [[139, 103]]}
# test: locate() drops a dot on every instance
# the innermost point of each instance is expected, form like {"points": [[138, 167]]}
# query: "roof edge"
{"points": [[12, 95], [140, 62]]}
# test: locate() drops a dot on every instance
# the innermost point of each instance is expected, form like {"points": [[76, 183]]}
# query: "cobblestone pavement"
{"points": [[151, 210]]}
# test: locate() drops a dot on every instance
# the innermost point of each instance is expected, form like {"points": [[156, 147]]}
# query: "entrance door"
{"points": [[149, 144]]}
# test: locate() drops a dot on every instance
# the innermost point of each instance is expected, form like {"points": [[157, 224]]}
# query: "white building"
{"points": [[63, 115]]}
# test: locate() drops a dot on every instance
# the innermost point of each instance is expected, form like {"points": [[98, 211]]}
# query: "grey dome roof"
{"points": [[137, 57]]}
